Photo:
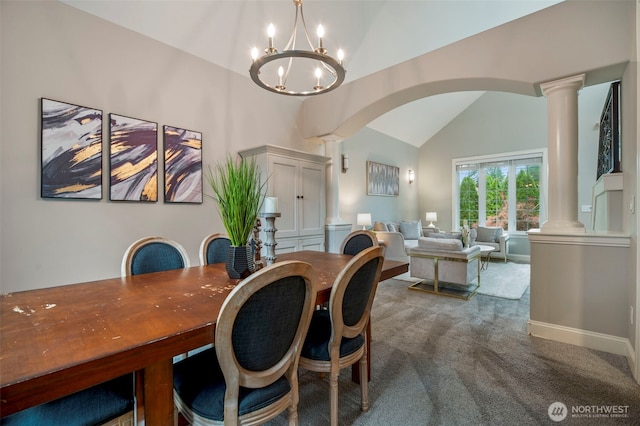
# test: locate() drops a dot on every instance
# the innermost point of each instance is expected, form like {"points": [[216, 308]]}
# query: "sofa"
{"points": [[447, 267], [495, 237], [400, 237]]}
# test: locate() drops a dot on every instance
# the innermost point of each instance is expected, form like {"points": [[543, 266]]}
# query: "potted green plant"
{"points": [[238, 190]]}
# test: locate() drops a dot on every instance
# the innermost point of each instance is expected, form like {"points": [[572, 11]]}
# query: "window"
{"points": [[500, 191]]}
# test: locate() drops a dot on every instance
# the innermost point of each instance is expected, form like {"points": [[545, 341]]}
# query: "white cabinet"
{"points": [[297, 179]]}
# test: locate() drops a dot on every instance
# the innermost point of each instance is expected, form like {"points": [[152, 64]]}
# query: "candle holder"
{"points": [[270, 231]]}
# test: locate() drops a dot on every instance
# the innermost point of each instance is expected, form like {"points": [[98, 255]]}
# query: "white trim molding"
{"points": [[588, 339], [608, 239]]}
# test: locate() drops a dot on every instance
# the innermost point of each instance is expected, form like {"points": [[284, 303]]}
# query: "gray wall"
{"points": [[504, 122], [370, 145], [55, 51]]}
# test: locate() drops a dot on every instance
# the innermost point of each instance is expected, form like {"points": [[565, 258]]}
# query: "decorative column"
{"points": [[332, 150], [562, 143], [335, 228]]}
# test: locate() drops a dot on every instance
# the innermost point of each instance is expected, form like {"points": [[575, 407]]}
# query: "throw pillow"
{"points": [[428, 231], [438, 235], [454, 235], [379, 226], [411, 230], [487, 234], [392, 227]]}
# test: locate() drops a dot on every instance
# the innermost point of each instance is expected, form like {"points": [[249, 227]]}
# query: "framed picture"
{"points": [[71, 151], [182, 165], [133, 159], [383, 179]]}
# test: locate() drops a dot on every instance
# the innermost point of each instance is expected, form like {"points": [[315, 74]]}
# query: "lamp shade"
{"points": [[363, 219], [431, 217]]}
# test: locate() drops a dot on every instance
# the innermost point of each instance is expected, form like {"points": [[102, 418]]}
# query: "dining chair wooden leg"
{"points": [[292, 414], [333, 397], [364, 384]]}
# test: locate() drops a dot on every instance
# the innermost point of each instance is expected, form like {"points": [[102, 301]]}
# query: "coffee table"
{"points": [[485, 255]]}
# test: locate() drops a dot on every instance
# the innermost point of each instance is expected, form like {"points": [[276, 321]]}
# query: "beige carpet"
{"points": [[445, 361]]}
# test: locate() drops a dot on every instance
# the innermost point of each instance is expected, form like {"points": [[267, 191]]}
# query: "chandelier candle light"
{"points": [[317, 56]]}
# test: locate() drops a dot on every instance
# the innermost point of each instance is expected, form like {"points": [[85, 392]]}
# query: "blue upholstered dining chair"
{"points": [[214, 249], [337, 336], [110, 403], [153, 254], [357, 241], [251, 374]]}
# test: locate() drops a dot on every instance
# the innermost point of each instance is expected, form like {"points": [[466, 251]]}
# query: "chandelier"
{"points": [[317, 72]]}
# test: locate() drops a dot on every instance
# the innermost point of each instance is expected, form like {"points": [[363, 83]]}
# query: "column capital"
{"points": [[576, 82], [331, 138]]}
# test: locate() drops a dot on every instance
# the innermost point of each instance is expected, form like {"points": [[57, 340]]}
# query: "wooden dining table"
{"points": [[59, 340]]}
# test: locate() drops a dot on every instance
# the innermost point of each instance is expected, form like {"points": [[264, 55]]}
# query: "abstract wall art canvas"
{"points": [[182, 165], [133, 155], [71, 151], [382, 179]]}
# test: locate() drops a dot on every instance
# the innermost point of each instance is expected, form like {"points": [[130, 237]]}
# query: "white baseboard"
{"points": [[520, 258], [631, 359], [588, 339]]}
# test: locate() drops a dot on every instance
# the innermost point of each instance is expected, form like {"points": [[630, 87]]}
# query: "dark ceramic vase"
{"points": [[240, 262]]}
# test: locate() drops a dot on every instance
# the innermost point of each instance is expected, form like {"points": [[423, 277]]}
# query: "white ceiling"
{"points": [[375, 34]]}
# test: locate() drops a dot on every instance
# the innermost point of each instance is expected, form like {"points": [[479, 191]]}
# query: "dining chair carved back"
{"points": [[153, 254], [251, 374], [214, 249], [357, 241], [337, 337]]}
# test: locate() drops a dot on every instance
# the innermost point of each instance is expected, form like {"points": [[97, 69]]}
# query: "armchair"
{"points": [[491, 236], [447, 267]]}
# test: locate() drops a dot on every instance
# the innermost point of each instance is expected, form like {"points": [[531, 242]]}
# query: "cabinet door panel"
{"points": [[286, 245], [283, 185], [312, 210], [314, 244]]}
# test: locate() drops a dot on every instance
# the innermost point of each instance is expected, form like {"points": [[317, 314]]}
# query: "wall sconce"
{"points": [[345, 163], [364, 220], [431, 217], [411, 176]]}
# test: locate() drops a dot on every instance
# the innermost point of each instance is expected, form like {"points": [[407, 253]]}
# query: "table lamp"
{"points": [[364, 220], [432, 217]]}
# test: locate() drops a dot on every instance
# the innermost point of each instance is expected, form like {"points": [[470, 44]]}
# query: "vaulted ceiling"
{"points": [[375, 34]]}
